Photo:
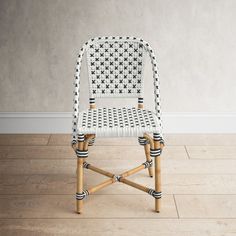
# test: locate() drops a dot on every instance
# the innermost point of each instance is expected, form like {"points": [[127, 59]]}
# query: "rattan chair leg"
{"points": [[132, 171], [134, 185], [157, 177], [148, 158], [80, 161], [101, 185], [100, 171]]}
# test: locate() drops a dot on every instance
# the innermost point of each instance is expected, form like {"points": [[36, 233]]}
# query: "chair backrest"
{"points": [[115, 68]]}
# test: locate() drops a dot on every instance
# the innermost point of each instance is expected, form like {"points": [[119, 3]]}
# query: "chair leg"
{"points": [[148, 158], [80, 176], [91, 141], [79, 183], [157, 177]]}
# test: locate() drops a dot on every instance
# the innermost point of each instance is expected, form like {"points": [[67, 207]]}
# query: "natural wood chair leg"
{"points": [[101, 185], [156, 146], [157, 177], [80, 161], [98, 170], [79, 183], [148, 158]]}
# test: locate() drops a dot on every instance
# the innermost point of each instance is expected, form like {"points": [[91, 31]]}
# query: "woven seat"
{"points": [[115, 70], [118, 122]]}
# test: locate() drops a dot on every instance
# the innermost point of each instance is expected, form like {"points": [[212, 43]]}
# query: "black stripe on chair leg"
{"points": [[157, 137], [140, 100], [142, 141], [154, 193], [81, 153], [155, 152], [81, 196], [148, 164], [80, 137], [73, 142], [86, 165], [91, 101]]}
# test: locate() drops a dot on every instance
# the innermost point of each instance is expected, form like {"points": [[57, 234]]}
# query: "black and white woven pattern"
{"points": [[155, 152], [81, 196], [86, 165], [117, 122], [115, 67], [81, 153], [148, 164], [142, 141], [154, 193]]}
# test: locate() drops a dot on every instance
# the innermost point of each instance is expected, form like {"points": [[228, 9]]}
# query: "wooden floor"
{"points": [[37, 188]]}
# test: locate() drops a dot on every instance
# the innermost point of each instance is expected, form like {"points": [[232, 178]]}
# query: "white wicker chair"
{"points": [[115, 68]]}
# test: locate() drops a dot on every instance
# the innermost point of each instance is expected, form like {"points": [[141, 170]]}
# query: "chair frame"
{"points": [[152, 145]]}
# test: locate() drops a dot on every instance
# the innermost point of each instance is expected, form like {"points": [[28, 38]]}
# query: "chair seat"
{"points": [[118, 122]]}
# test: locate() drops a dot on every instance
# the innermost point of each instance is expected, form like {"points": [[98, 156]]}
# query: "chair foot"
{"points": [[157, 205], [79, 206]]}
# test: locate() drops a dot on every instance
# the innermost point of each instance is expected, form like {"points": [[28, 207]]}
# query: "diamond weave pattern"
{"points": [[115, 68], [117, 122]]}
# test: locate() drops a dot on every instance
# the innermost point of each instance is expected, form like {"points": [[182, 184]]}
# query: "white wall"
{"points": [[195, 41]]}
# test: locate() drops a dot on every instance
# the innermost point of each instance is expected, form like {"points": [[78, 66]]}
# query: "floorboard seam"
{"points": [[187, 152], [176, 206], [49, 138]]}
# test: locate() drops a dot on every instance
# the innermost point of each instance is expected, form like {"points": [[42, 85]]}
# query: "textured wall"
{"points": [[195, 41]]}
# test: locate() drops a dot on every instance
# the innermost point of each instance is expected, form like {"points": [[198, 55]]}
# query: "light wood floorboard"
{"points": [[118, 227], [24, 139], [206, 206], [38, 178], [201, 139], [212, 152], [95, 152], [49, 166], [99, 206], [37, 152], [65, 184]]}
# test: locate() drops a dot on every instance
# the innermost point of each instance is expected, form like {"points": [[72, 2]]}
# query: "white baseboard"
{"points": [[61, 122]]}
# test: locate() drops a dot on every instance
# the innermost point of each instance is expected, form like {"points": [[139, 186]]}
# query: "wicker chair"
{"points": [[115, 68]]}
